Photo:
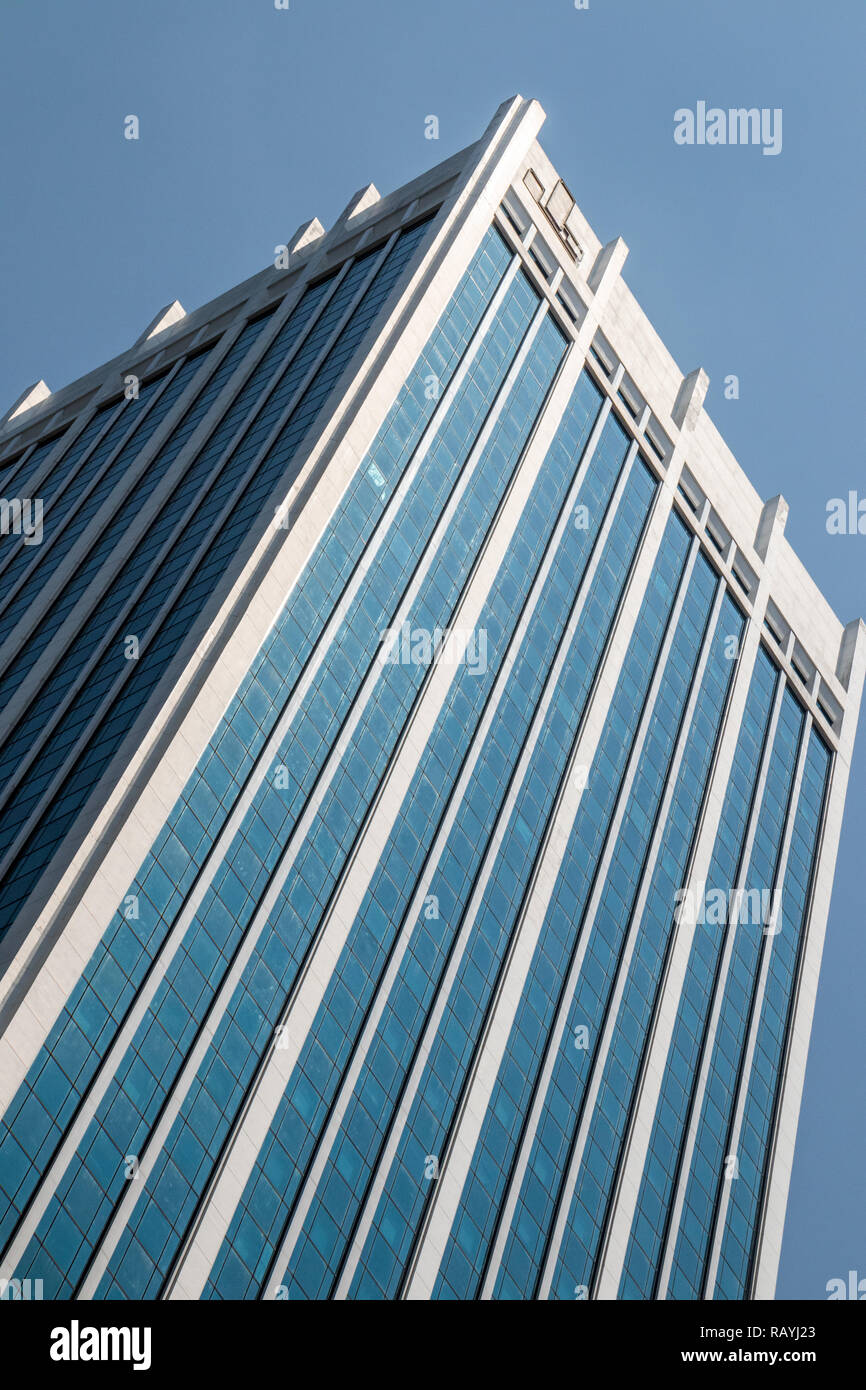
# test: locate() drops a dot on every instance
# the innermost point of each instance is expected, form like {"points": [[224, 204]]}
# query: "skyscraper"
{"points": [[422, 771]]}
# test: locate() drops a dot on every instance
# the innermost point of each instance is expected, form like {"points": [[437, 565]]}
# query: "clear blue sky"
{"points": [[253, 120]]}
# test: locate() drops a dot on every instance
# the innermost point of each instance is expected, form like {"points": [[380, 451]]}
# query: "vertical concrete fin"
{"points": [[34, 395], [359, 202], [608, 264], [172, 313], [853, 644], [774, 514], [305, 236], [690, 399]]}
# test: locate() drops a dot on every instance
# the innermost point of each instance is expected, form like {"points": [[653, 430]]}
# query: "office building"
{"points": [[423, 759]]}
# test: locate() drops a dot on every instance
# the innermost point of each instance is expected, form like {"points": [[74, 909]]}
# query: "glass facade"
{"points": [[170, 575], [469, 852]]}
